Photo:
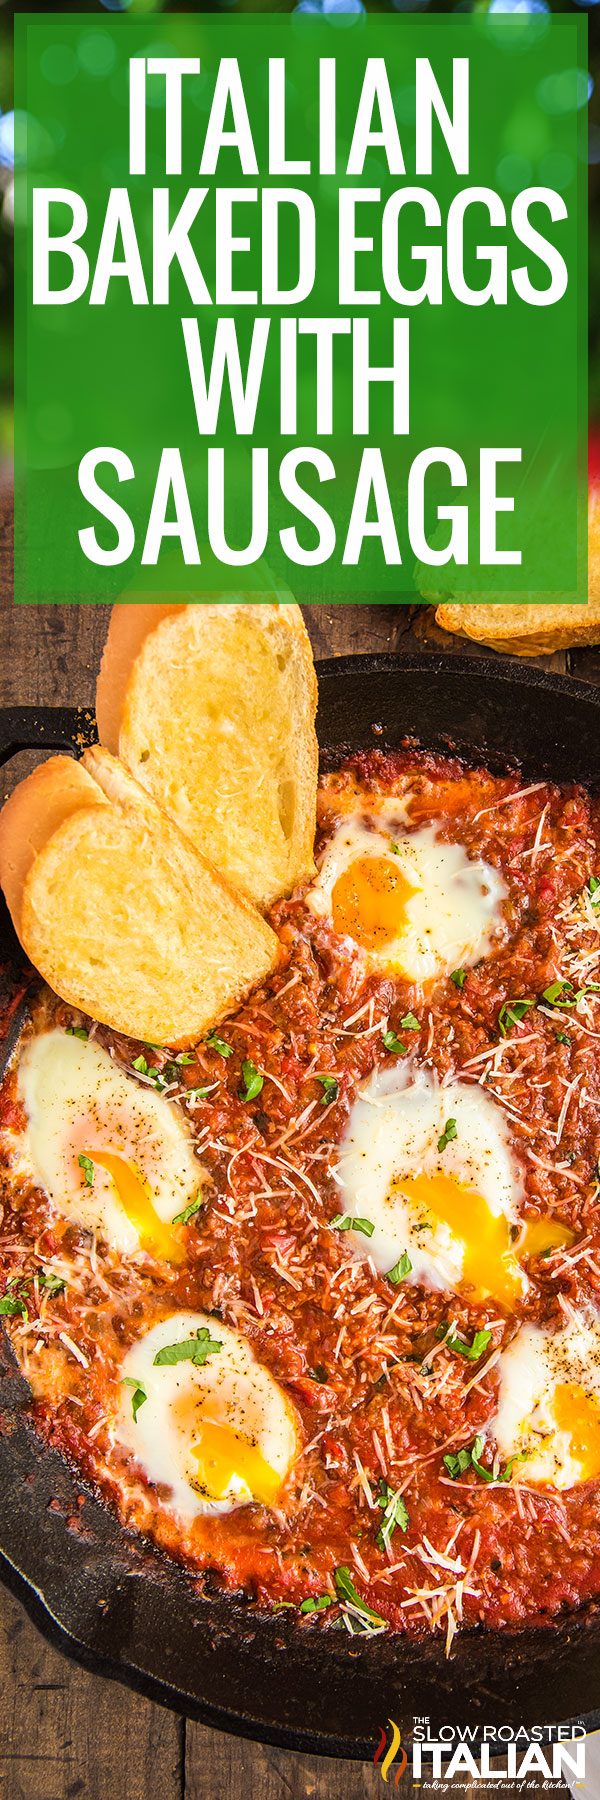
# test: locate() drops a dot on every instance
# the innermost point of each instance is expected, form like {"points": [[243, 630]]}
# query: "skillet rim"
{"points": [[525, 673], [65, 721]]}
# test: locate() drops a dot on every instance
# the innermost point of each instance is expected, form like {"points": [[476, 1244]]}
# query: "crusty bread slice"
{"points": [[524, 630], [537, 629], [212, 707], [118, 911]]}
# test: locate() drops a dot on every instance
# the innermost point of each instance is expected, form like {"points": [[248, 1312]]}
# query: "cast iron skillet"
{"points": [[104, 1596]]}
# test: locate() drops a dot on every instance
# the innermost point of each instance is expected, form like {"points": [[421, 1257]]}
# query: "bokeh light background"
{"points": [[577, 88]]}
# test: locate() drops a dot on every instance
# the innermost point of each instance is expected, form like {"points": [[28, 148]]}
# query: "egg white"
{"points": [[393, 1132], [78, 1102], [536, 1365], [453, 914], [232, 1389]]}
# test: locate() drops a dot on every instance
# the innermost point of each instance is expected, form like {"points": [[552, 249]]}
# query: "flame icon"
{"points": [[390, 1753]]}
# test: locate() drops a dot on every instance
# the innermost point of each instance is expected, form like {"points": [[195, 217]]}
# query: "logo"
{"points": [[453, 1756], [390, 1754]]}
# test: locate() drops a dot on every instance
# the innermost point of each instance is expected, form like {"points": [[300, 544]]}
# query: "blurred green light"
{"points": [[566, 91]]}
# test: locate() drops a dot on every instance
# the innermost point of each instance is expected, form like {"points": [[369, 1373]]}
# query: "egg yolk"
{"points": [[538, 1236], [224, 1457], [577, 1414], [156, 1237], [368, 901], [489, 1264]]}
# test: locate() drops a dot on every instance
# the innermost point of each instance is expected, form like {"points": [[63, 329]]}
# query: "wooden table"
{"points": [[65, 1733]]}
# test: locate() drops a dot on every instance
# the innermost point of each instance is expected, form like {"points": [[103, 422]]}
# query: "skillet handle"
{"points": [[70, 728]]}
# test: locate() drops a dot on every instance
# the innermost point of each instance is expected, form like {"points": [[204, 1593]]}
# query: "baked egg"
{"points": [[549, 1403], [416, 906], [204, 1419], [431, 1174], [111, 1154]]}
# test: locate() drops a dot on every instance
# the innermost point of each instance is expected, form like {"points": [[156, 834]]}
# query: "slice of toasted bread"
{"points": [[536, 629], [116, 908], [212, 707], [524, 630]]}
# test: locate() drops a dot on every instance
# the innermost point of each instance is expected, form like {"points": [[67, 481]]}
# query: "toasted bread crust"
{"points": [[212, 707], [130, 625], [34, 811], [533, 631], [118, 911]]}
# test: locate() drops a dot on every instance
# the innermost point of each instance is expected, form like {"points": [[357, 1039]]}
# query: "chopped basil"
{"points": [[170, 1073], [459, 977], [562, 993], [593, 889], [77, 1031], [458, 1465], [158, 1077], [348, 1595], [409, 1023], [138, 1397], [462, 1348], [194, 1349], [506, 1472], [346, 1222], [401, 1268], [11, 1304], [319, 1373], [188, 1211], [85, 1163], [171, 1068], [316, 1603], [553, 993], [214, 1042], [476, 1464], [253, 1080], [199, 1093], [562, 1037], [394, 1043], [54, 1284], [471, 1459], [449, 1132], [330, 1088], [511, 1013], [162, 1078], [394, 1513]]}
